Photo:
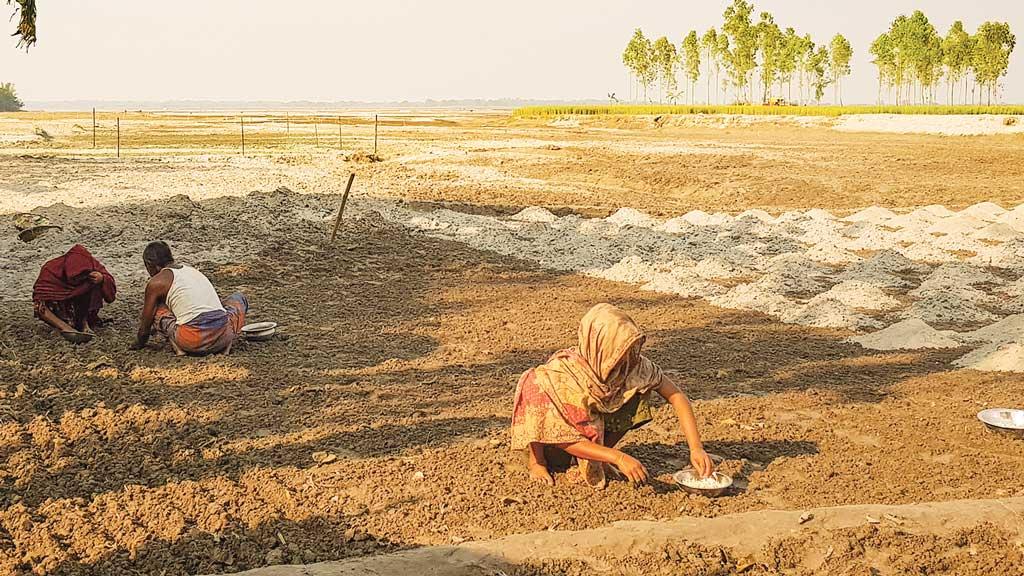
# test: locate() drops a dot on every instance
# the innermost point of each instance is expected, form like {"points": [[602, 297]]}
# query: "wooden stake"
{"points": [[243, 134], [287, 124], [93, 127], [118, 137], [339, 132], [316, 133], [341, 210], [374, 134]]}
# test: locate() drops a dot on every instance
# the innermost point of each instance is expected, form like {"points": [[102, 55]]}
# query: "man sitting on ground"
{"points": [[182, 304]]}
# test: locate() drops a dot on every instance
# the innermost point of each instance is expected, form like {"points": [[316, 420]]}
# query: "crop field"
{"points": [[755, 110], [838, 293]]}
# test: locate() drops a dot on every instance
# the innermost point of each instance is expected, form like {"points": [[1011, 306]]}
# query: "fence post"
{"points": [[316, 131], [93, 127], [374, 134], [118, 137], [339, 132], [287, 124], [243, 134]]}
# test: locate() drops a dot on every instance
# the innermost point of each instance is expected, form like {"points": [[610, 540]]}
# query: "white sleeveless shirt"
{"points": [[191, 294]]}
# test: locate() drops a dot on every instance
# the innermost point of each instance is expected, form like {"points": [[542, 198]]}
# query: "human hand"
{"points": [[702, 462], [631, 468], [96, 277]]}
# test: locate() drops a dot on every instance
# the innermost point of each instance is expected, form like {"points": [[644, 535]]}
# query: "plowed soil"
{"points": [[399, 354]]}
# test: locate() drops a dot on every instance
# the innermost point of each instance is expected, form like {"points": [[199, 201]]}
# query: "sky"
{"points": [[394, 50]]}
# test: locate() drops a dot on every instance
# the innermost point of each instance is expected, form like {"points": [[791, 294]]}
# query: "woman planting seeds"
{"points": [[584, 400]]}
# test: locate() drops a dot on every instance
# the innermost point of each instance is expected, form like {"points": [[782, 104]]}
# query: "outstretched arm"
{"points": [[688, 423], [631, 467], [156, 292]]}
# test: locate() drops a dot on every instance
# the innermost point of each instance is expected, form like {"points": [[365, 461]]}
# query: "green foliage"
{"points": [[651, 110], [9, 101], [771, 45], [740, 57], [666, 60], [639, 59], [26, 31], [691, 59], [818, 66], [840, 54], [990, 58]]}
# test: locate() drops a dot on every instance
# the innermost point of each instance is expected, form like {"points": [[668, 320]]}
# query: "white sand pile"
{"points": [[1013, 219], [987, 211], [631, 217], [702, 218], [721, 268], [677, 225], [882, 269], [910, 334], [831, 253], [996, 232], [819, 214], [959, 224], [873, 214], [787, 282], [821, 231], [870, 237], [631, 269], [755, 214], [918, 219], [957, 243], [944, 124], [938, 210], [953, 274], [1009, 255], [1009, 328], [1014, 289], [859, 295], [995, 357], [924, 252], [534, 214], [683, 283], [752, 297], [829, 313], [950, 308]]}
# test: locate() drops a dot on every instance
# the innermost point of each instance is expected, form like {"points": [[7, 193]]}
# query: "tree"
{"points": [[770, 45], [840, 54], [791, 47], [709, 45], [818, 64], [720, 55], [805, 66], [956, 56], [26, 31], [639, 59], [691, 60], [666, 59], [990, 59], [885, 61], [740, 57], [9, 101]]}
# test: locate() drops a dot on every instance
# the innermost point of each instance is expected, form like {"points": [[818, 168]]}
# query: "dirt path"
{"points": [[960, 537]]}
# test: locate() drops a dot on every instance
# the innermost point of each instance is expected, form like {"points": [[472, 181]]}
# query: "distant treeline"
{"points": [[911, 58], [656, 109]]}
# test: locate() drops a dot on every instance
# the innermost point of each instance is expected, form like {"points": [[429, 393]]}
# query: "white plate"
{"points": [[258, 327]]}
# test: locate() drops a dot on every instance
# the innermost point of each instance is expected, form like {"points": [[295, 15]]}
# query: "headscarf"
{"points": [[564, 400], [67, 277]]}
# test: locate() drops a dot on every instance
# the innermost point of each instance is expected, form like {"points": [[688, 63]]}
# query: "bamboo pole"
{"points": [[119, 137], [316, 132], [374, 134], [93, 127], [344, 199], [243, 134], [339, 132]]}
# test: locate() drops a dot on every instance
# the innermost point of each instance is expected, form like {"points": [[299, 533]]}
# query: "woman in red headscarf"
{"points": [[70, 291]]}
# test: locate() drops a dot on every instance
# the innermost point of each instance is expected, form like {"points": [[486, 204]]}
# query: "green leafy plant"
{"points": [[9, 101]]}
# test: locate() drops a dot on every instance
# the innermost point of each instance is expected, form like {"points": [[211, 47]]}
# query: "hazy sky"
{"points": [[407, 50]]}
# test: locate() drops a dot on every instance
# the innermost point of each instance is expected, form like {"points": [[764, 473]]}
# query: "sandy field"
{"points": [[370, 435]]}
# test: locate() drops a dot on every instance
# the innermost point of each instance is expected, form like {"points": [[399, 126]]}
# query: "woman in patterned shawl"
{"points": [[585, 399]]}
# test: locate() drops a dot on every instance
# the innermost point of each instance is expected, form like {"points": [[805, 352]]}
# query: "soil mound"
{"points": [[534, 214], [910, 334]]}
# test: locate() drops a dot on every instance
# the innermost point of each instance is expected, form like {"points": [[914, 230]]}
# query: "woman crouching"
{"points": [[584, 400]]}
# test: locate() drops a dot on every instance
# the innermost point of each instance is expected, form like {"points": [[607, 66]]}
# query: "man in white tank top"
{"points": [[183, 305]]}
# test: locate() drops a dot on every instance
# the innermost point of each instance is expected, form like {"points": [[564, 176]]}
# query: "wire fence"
{"points": [[246, 133]]}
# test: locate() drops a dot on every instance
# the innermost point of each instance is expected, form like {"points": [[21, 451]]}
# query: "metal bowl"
{"points": [[687, 475], [30, 234], [259, 336], [258, 327], [1004, 420]]}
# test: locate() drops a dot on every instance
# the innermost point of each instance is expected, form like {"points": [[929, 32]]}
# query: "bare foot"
{"points": [[539, 473]]}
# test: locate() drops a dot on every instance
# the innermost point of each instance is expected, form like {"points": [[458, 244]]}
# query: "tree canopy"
{"points": [[9, 101], [25, 12]]}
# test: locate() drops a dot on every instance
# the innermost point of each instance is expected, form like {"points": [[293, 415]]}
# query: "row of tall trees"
{"points": [[912, 60], [757, 60], [744, 56]]}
